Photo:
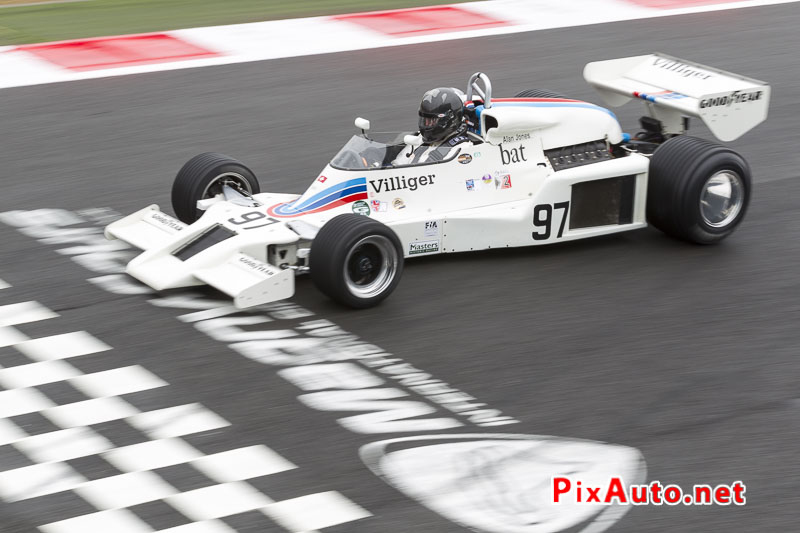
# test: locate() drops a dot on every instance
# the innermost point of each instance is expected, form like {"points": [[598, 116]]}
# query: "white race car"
{"points": [[538, 168]]}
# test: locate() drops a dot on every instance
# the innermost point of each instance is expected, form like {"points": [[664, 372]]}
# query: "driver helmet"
{"points": [[441, 113]]}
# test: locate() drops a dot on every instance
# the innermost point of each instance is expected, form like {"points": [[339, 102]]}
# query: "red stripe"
{"points": [[341, 201], [536, 100], [122, 51], [422, 21]]}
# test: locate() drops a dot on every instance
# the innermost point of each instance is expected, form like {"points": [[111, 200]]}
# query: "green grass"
{"points": [[93, 18]]}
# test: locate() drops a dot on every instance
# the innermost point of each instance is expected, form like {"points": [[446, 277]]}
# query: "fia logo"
{"points": [[432, 228], [513, 155]]}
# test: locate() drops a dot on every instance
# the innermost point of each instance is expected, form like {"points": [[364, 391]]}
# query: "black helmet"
{"points": [[441, 114]]}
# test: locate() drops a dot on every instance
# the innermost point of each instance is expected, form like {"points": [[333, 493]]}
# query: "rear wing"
{"points": [[729, 104]]}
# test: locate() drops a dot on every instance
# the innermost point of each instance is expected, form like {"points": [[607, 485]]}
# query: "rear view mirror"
{"points": [[362, 124], [413, 140]]}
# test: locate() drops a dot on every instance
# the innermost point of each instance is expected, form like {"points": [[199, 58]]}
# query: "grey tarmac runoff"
{"points": [[634, 353]]}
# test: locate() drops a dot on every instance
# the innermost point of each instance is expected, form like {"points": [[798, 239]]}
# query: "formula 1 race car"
{"points": [[537, 168]]}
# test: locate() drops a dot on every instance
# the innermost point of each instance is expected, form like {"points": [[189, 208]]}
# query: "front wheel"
{"points": [[203, 177], [356, 261], [698, 190]]}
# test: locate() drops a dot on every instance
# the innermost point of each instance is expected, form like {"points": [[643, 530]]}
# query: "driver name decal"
{"points": [[334, 196], [397, 183]]}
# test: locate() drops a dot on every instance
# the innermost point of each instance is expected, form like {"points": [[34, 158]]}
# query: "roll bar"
{"points": [[473, 86]]}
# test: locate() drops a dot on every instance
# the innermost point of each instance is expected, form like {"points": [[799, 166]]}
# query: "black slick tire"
{"points": [[681, 172], [356, 261], [538, 93], [199, 178]]}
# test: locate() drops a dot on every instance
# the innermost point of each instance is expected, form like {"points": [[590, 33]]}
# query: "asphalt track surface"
{"points": [[687, 353]]}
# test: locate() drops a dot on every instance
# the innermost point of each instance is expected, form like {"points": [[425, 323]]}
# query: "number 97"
{"points": [[543, 218]]}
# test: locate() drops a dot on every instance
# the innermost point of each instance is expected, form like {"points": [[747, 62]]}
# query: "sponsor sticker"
{"points": [[465, 159], [487, 179], [361, 207], [397, 183], [470, 184], [321, 179], [736, 97], [432, 228], [377, 205], [398, 203], [423, 247], [503, 181], [476, 154], [512, 155]]}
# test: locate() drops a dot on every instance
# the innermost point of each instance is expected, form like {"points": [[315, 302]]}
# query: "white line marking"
{"points": [[63, 445], [117, 382], [116, 521], [178, 421], [4, 285], [90, 412], [62, 346], [18, 377], [23, 313], [151, 455], [218, 501], [315, 511], [10, 336], [125, 490], [242, 464], [207, 526], [10, 432], [22, 401], [38, 480]]}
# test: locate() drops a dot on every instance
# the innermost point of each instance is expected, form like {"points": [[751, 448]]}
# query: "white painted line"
{"points": [[38, 480], [10, 432], [90, 412], [22, 401], [10, 336], [218, 501], [207, 526], [18, 377], [62, 346], [125, 490], [178, 421], [4, 285], [117, 382], [24, 312], [151, 455], [242, 464], [315, 511], [63, 445], [116, 521]]}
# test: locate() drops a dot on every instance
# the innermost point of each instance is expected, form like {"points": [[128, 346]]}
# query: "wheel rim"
{"points": [[214, 186], [370, 266], [722, 199]]}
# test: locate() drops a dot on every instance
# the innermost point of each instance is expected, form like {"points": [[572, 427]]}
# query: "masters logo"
{"points": [[423, 247]]}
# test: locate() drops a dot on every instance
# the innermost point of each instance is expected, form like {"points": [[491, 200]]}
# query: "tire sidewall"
{"points": [[358, 301], [699, 229], [197, 175], [332, 280]]}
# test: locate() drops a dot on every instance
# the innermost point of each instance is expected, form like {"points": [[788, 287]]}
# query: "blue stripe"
{"points": [[329, 195], [330, 190], [556, 104], [331, 198]]}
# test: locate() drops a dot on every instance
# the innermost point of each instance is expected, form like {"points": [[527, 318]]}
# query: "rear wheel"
{"points": [[698, 190], [356, 261], [203, 177], [539, 93]]}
